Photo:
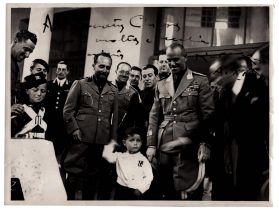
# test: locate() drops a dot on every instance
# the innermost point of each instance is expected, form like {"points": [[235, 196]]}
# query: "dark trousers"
{"points": [[89, 175], [176, 171], [125, 193]]}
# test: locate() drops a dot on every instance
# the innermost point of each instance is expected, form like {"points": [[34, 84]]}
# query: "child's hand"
{"points": [[137, 193], [112, 142]]}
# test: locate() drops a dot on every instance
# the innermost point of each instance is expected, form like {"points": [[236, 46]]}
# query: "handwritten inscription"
{"points": [[137, 22], [124, 38], [113, 25], [117, 54], [134, 21], [47, 21], [187, 39]]}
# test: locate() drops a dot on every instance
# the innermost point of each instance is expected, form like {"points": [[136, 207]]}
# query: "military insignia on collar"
{"points": [[149, 133], [190, 75]]}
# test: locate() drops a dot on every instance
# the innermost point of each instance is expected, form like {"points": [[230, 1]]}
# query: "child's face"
{"points": [[133, 143], [37, 94]]}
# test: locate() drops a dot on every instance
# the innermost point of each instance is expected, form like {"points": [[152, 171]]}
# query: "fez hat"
{"points": [[34, 80]]}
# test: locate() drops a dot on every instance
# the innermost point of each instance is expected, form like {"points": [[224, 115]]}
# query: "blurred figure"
{"points": [[215, 73], [244, 104], [260, 62], [163, 65]]}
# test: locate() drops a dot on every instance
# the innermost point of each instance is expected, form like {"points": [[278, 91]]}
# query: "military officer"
{"points": [[181, 140], [90, 114], [58, 90]]}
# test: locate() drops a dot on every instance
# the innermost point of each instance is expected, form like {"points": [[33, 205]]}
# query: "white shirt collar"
{"points": [[61, 82]]}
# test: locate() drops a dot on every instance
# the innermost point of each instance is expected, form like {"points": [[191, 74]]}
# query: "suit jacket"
{"points": [[95, 114]]}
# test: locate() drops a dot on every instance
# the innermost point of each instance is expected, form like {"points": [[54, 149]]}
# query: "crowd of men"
{"points": [[184, 136]]}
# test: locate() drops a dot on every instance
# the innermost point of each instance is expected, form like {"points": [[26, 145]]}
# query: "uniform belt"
{"points": [[179, 118]]}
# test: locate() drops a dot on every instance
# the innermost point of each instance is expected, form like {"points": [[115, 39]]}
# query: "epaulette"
{"points": [[200, 74]]}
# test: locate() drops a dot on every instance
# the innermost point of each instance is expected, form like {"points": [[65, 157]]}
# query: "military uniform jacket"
{"points": [[95, 114], [187, 111], [124, 97], [56, 97]]}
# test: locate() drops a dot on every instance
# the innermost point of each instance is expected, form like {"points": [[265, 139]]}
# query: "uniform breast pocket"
{"points": [[108, 101], [87, 98], [191, 97]]}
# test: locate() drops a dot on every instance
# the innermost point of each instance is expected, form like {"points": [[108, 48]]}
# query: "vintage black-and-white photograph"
{"points": [[137, 103]]}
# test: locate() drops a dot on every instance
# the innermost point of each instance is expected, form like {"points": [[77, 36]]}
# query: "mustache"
{"points": [[102, 74]]}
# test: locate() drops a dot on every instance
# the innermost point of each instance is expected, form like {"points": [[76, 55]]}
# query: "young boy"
{"points": [[30, 121], [134, 172]]}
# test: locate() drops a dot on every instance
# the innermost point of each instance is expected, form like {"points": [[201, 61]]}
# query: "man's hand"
{"points": [[77, 135], [203, 153], [17, 109], [150, 152]]}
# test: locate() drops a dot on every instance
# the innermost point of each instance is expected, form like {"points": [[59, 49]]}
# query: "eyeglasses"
{"points": [[122, 72]]}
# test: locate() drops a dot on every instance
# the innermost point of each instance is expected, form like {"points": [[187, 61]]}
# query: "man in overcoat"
{"points": [[90, 114], [181, 141]]}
